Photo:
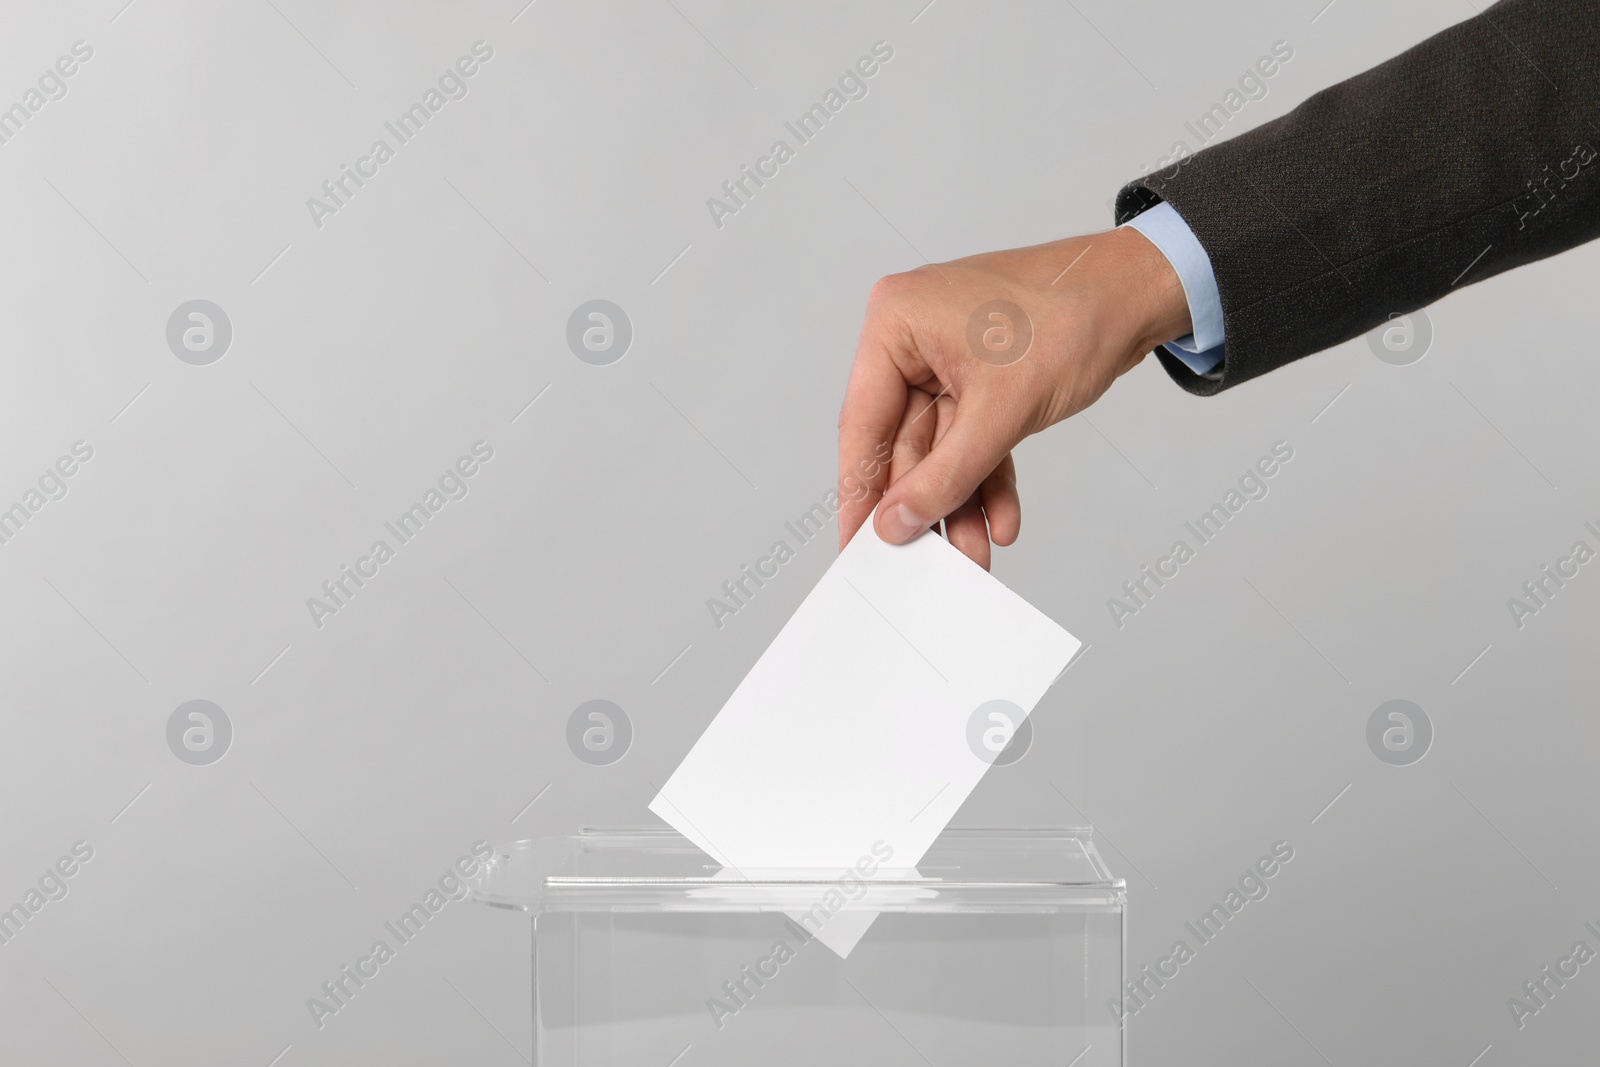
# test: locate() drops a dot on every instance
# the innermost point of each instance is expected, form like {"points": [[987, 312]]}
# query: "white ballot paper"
{"points": [[866, 723]]}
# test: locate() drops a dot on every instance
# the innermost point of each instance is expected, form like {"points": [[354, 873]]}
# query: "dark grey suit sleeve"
{"points": [[1472, 153]]}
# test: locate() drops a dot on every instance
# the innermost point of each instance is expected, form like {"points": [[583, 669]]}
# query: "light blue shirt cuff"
{"points": [[1202, 350]]}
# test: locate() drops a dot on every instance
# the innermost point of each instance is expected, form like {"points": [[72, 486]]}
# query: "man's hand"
{"points": [[959, 362]]}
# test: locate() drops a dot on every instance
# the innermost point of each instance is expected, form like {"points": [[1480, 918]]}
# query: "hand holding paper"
{"points": [[958, 362]]}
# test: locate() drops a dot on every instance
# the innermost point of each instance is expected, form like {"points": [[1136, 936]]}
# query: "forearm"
{"points": [[1468, 155]]}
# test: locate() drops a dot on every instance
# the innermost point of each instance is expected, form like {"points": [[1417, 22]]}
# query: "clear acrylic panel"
{"points": [[1003, 946]]}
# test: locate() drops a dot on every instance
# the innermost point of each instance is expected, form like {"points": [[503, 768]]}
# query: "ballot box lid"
{"points": [[660, 869]]}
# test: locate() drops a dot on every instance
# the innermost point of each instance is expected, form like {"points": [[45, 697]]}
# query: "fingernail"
{"points": [[900, 524]]}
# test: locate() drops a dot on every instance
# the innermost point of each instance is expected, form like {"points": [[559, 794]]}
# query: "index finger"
{"points": [[874, 402]]}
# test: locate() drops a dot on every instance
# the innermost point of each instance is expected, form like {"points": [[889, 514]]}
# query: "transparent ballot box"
{"points": [[1001, 947]]}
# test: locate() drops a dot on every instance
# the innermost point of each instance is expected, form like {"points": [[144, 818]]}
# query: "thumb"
{"points": [[977, 440]]}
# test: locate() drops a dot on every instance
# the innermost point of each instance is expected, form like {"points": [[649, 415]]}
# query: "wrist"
{"points": [[1152, 289]]}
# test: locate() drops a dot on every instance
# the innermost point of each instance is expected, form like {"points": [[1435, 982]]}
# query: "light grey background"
{"points": [[369, 354]]}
